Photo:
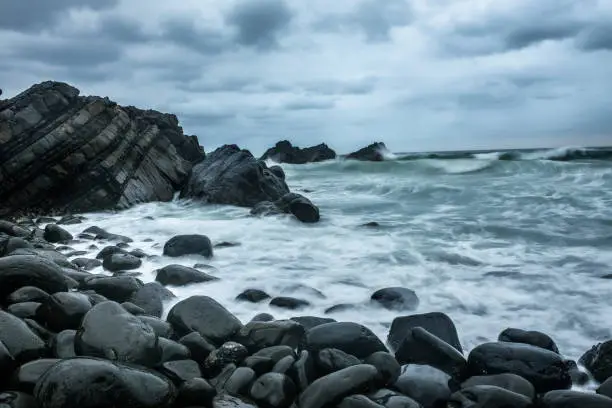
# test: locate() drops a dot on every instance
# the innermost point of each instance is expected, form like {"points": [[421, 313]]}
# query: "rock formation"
{"points": [[63, 152], [373, 152], [285, 152]]}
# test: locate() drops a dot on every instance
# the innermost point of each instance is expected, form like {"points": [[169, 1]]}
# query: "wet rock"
{"points": [[24, 310], [195, 392], [303, 290], [94, 297], [64, 310], [265, 359], [117, 288], [578, 376], [352, 338], [178, 275], [400, 299], [49, 254], [160, 327], [54, 233], [233, 176], [20, 341], [535, 338], [330, 360], [284, 365], [507, 381], [253, 296], [109, 331], [606, 388], [358, 401], [70, 220], [189, 245], [87, 263], [301, 207], [100, 233], [240, 381], [303, 371], [544, 369], [226, 244], [133, 309], [285, 152], [388, 368], [205, 316], [10, 244], [274, 390], [15, 399], [392, 399], [426, 385], [93, 383], [42, 332], [7, 362], [180, 371], [62, 345], [121, 262], [311, 321], [488, 396], [110, 250], [138, 253], [262, 317], [574, 399], [422, 347], [173, 351], [220, 380], [598, 360], [198, 346], [13, 230], [228, 353], [258, 335], [25, 377], [76, 277], [438, 324], [290, 303], [333, 388], [227, 401], [17, 271], [278, 172], [373, 152], [342, 307], [150, 297]]}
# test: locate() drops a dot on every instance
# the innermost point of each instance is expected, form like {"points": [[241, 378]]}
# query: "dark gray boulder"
{"points": [[94, 383], [285, 302], [240, 381], [20, 341], [392, 399], [510, 382], [253, 296], [62, 344], [258, 335], [374, 152], [25, 310], [400, 299], [424, 384], [102, 234], [121, 262], [488, 396], [285, 152], [87, 263], [27, 294], [229, 353], [274, 390], [387, 366], [117, 288], [333, 388], [55, 233], [198, 346], [233, 176], [173, 351], [311, 321], [25, 377], [16, 399], [535, 338], [291, 203], [180, 371], [179, 275], [574, 399], [438, 324], [598, 360], [63, 310], [206, 316], [352, 338], [193, 244], [109, 331], [150, 297], [17, 271], [330, 360], [195, 392], [544, 369]]}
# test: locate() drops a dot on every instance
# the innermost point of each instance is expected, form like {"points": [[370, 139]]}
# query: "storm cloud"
{"points": [[417, 74]]}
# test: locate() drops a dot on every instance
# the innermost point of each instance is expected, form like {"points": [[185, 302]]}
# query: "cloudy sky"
{"points": [[417, 74]]}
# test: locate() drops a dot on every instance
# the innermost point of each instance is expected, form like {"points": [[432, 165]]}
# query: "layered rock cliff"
{"points": [[61, 152]]}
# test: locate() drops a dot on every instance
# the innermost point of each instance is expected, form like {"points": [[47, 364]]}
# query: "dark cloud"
{"points": [[259, 22], [524, 37], [33, 15], [373, 17], [233, 84], [184, 32], [482, 100], [596, 38], [330, 87], [206, 118], [69, 53], [122, 29], [306, 104]]}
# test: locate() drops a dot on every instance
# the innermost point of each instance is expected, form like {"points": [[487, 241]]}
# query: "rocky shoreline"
{"points": [[72, 337], [81, 329]]}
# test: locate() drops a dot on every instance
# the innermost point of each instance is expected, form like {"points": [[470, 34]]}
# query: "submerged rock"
{"points": [[290, 303], [253, 296], [285, 152], [292, 203], [396, 298]]}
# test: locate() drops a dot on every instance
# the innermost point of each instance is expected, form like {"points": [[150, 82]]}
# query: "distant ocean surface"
{"points": [[494, 239]]}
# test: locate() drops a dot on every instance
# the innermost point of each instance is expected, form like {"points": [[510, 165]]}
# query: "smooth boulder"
{"points": [[121, 262], [352, 338], [274, 390], [206, 316], [486, 396], [94, 383], [258, 335], [54, 233], [19, 340], [179, 275], [17, 271], [510, 382], [574, 399], [535, 338], [396, 298], [109, 331], [189, 245], [117, 288], [437, 323], [253, 296], [150, 297], [545, 370], [64, 310]]}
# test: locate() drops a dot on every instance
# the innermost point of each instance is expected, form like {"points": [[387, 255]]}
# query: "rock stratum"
{"points": [[62, 152]]}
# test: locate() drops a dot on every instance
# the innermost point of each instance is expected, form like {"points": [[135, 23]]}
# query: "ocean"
{"points": [[494, 239]]}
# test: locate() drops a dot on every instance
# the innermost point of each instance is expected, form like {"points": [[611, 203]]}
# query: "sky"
{"points": [[415, 74]]}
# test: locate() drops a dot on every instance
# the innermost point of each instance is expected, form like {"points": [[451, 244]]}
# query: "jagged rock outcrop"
{"points": [[285, 152], [67, 153], [233, 176], [373, 152]]}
